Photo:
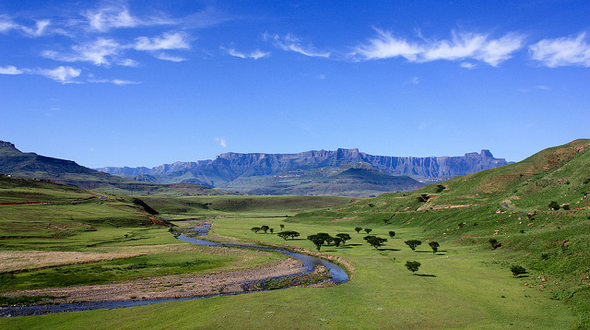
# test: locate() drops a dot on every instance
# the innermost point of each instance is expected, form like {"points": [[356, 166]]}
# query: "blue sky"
{"points": [[143, 83]]}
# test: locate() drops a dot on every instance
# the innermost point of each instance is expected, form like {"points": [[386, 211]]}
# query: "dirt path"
{"points": [[167, 286]]}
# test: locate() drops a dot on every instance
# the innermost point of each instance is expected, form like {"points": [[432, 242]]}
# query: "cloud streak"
{"points": [[257, 54], [461, 46], [569, 51], [291, 43]]}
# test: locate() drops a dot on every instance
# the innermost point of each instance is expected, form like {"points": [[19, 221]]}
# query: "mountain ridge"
{"points": [[229, 166]]}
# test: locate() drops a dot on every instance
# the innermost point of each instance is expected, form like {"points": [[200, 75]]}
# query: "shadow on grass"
{"points": [[353, 244], [425, 275], [389, 249]]}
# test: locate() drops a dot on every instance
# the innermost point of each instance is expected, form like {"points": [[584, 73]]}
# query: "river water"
{"points": [[337, 274]]}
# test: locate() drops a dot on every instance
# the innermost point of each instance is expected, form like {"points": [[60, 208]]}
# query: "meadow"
{"points": [[463, 286]]}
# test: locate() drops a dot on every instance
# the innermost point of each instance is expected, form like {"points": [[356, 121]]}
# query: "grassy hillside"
{"points": [[358, 180], [33, 166]]}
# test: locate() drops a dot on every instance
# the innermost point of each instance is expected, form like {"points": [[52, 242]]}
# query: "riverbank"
{"points": [[166, 286]]}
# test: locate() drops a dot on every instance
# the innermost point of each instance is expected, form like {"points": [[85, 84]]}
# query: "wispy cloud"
{"points": [[41, 27], [257, 54], [166, 41], [10, 70], [462, 46], [168, 57], [293, 44], [222, 142], [63, 74], [569, 51], [120, 82], [118, 16], [102, 51]]}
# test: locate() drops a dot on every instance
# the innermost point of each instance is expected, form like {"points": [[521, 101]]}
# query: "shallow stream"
{"points": [[337, 275]]}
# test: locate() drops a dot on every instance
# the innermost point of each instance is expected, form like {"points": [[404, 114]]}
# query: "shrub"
{"points": [[413, 243], [413, 266], [517, 270]]}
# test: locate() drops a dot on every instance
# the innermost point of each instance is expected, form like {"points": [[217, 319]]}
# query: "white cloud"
{"points": [[222, 142], [468, 65], [461, 46], [63, 74], [6, 24], [111, 17], [121, 82], [254, 55], [168, 57], [293, 44], [415, 81], [573, 51], [167, 41], [40, 28], [10, 70], [99, 52], [387, 46]]}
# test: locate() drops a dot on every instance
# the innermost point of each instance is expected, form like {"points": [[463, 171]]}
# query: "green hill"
{"points": [[33, 166], [509, 204], [357, 180]]}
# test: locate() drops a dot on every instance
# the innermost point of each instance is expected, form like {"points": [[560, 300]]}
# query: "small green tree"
{"points": [[423, 198], [517, 270], [256, 229], [282, 227], [413, 266], [434, 246], [288, 234], [494, 243], [326, 237], [358, 229], [272, 230], [554, 206], [375, 241], [368, 230], [391, 234], [413, 243], [337, 241], [440, 188], [316, 240], [344, 237]]}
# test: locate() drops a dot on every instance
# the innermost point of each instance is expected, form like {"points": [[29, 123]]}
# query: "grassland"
{"points": [[466, 285]]}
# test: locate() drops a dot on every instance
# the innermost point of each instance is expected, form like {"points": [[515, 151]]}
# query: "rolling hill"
{"points": [[30, 165]]}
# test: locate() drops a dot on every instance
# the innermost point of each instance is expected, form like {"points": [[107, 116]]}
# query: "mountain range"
{"points": [[258, 172]]}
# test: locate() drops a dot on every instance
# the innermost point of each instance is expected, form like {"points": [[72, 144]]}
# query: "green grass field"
{"points": [[461, 287]]}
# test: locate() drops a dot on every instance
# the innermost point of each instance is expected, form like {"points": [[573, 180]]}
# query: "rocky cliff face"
{"points": [[230, 166]]}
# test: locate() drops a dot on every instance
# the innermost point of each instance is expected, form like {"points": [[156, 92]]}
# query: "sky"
{"points": [[151, 82]]}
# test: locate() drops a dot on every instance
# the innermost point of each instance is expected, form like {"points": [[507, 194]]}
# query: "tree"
{"points": [[494, 243], [375, 241], [256, 229], [288, 234], [265, 228], [413, 266], [413, 243], [358, 229], [517, 270], [337, 241], [282, 227], [391, 234], [272, 230], [554, 205], [434, 246], [316, 240], [440, 188], [344, 237], [326, 237], [368, 230]]}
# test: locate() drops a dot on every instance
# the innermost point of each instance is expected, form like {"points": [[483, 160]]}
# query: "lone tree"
{"points": [[344, 237], [288, 234], [413, 266], [265, 228], [413, 243], [391, 234], [256, 229], [494, 243], [368, 230], [375, 241], [440, 188], [434, 246], [423, 198], [316, 240], [554, 205], [282, 227], [358, 229], [517, 270]]}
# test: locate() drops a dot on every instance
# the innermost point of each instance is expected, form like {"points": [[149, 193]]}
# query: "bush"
{"points": [[517, 270], [413, 266]]}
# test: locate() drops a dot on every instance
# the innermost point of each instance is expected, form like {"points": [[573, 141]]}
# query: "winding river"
{"points": [[337, 275]]}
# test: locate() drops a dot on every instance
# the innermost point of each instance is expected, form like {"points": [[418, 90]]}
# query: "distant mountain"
{"points": [[229, 169], [30, 165]]}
